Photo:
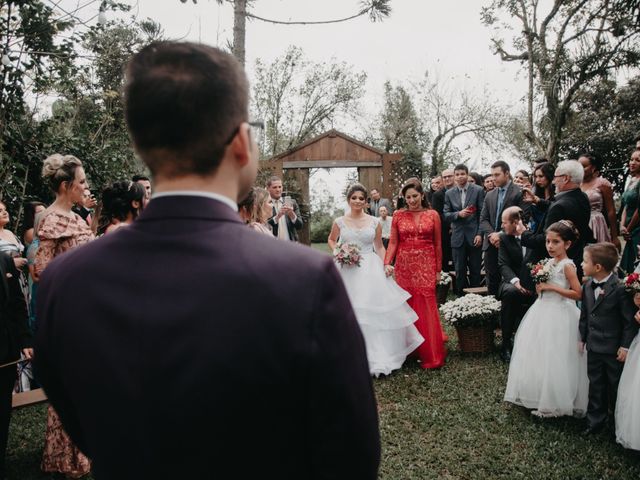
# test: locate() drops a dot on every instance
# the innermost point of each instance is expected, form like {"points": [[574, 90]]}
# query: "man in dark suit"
{"points": [[14, 337], [377, 201], [200, 348], [505, 195], [286, 219], [516, 290], [448, 182], [462, 206], [607, 328], [570, 203]]}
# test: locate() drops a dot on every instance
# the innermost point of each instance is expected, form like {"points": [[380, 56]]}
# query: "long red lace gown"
{"points": [[416, 245]]}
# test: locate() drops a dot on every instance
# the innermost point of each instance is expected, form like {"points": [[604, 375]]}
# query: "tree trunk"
{"points": [[239, 22]]}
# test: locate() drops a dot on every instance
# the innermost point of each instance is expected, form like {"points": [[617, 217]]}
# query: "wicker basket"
{"points": [[475, 339], [441, 293]]}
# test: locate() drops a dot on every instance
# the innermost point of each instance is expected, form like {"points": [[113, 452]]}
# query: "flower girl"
{"points": [[547, 372], [628, 404]]}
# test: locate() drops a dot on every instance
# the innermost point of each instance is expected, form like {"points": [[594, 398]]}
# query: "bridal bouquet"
{"points": [[541, 271], [347, 253], [632, 283], [445, 279], [471, 310]]}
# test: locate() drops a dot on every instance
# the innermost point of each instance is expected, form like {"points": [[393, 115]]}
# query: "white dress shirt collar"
{"points": [[197, 193]]}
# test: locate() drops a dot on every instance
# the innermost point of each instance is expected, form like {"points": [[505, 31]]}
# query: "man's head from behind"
{"points": [[186, 108], [510, 219]]}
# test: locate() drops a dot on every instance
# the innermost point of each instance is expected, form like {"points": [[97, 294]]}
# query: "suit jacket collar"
{"points": [[608, 288], [188, 206]]}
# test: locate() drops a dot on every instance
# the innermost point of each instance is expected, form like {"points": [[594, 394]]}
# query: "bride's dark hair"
{"points": [[356, 187]]}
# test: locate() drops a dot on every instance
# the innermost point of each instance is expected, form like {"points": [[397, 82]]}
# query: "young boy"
{"points": [[607, 328]]}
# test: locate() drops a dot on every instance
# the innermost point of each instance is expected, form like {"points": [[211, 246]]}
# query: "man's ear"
{"points": [[241, 145]]}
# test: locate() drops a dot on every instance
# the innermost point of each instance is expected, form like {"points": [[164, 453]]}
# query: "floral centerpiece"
{"points": [[474, 317], [541, 271], [632, 283], [442, 287], [347, 254]]}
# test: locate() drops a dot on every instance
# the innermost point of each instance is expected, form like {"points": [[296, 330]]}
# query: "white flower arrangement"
{"points": [[445, 279], [471, 310]]}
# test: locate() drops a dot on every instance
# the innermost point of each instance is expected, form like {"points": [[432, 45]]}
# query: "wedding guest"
{"points": [[547, 373], [15, 339], [146, 183], [31, 209], [475, 177], [600, 196], [122, 203], [385, 318], [488, 184], [607, 328], [628, 403], [262, 211], [516, 289], [85, 207], [61, 230], [522, 179], [462, 207], [506, 194], [438, 205], [415, 247], [435, 185], [192, 331], [385, 223], [285, 220], [541, 197], [247, 206], [9, 243], [570, 203], [629, 224], [377, 201]]}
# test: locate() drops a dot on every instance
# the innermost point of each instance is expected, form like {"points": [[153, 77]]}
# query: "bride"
{"points": [[380, 305]]}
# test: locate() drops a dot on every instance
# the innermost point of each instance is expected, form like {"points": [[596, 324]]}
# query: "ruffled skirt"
{"points": [[628, 403], [385, 318]]}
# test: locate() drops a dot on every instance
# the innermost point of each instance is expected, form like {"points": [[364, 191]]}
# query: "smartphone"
{"points": [[287, 200], [472, 208]]}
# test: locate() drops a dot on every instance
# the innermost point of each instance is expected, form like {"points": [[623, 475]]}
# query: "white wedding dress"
{"points": [[628, 403], [547, 372], [380, 305]]}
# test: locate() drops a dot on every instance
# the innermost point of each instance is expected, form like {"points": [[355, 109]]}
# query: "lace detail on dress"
{"points": [[363, 236]]}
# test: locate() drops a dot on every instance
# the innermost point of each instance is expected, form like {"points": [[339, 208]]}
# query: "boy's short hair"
{"points": [[604, 253]]}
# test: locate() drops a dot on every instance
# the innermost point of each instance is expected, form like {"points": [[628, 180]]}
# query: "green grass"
{"points": [[439, 424]]}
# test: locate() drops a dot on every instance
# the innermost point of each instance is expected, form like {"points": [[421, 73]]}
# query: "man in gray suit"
{"points": [[462, 206], [506, 194], [377, 201]]}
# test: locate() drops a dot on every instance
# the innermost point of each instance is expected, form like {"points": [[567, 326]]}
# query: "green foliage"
{"points": [[604, 122]]}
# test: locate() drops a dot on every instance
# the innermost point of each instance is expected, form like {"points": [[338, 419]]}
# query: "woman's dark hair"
{"points": [[356, 187], [117, 202], [478, 178], [525, 173], [565, 229], [30, 214], [419, 188], [595, 162], [548, 170]]}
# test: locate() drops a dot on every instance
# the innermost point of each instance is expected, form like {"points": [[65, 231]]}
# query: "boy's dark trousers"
{"points": [[604, 375]]}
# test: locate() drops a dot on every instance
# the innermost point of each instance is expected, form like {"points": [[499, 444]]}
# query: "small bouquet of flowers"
{"points": [[445, 279], [541, 271], [347, 253], [632, 283]]}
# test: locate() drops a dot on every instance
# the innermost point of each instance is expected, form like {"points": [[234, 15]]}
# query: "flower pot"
{"points": [[441, 293], [475, 339]]}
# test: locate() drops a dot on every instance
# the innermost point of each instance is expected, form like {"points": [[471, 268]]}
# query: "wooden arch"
{"points": [[332, 149]]}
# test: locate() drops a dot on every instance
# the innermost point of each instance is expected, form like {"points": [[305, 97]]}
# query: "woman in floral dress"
{"points": [[60, 230]]}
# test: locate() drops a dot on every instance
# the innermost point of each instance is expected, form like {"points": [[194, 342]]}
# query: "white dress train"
{"points": [[628, 403], [547, 372], [380, 305]]}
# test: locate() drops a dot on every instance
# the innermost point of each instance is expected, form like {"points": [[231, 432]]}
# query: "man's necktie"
{"points": [[501, 194]]}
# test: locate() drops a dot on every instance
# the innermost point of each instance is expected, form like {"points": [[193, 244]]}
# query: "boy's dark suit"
{"points": [[513, 264], [606, 324], [197, 348]]}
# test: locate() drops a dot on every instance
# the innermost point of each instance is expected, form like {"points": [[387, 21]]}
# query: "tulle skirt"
{"points": [[547, 372], [385, 318], [628, 403]]}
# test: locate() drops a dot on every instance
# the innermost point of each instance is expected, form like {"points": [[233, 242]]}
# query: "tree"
{"points": [[375, 9], [565, 48], [298, 99]]}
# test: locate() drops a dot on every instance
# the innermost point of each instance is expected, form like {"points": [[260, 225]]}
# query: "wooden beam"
{"points": [[30, 397], [330, 163]]}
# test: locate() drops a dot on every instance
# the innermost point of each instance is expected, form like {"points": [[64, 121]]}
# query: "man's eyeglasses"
{"points": [[256, 127]]}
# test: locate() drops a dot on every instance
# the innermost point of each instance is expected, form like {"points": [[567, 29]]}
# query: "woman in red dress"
{"points": [[415, 244]]}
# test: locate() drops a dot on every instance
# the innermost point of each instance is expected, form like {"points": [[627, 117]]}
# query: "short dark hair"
{"points": [[116, 202], [603, 253], [566, 229], [138, 178], [184, 103], [502, 165], [461, 166], [594, 161]]}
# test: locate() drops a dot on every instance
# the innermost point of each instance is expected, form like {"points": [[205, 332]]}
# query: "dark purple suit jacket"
{"points": [[189, 346]]}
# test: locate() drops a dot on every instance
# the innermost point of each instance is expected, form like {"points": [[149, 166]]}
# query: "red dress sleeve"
{"points": [[393, 241], [437, 236]]}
